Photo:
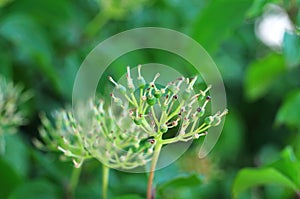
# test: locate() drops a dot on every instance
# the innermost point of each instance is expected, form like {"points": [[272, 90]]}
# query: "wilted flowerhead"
{"points": [[11, 97], [156, 108]]}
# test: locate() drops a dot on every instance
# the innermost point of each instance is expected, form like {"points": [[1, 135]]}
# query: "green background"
{"points": [[43, 43]]}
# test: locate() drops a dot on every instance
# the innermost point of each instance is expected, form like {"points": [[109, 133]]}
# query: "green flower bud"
{"points": [[131, 88], [201, 97], [141, 82], [137, 120], [216, 121], [144, 144], [209, 120], [118, 101], [151, 100], [121, 88], [200, 111], [163, 128], [157, 93]]}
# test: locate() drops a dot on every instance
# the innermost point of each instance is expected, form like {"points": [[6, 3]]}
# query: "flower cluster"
{"points": [[11, 97], [110, 139], [125, 136], [156, 109], [63, 134], [117, 141]]}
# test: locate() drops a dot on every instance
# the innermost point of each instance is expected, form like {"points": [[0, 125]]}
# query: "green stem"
{"points": [[180, 138], [105, 178], [156, 153], [176, 111], [96, 24], [74, 179]]}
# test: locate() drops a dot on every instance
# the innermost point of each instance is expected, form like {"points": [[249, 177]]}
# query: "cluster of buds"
{"points": [[11, 97], [116, 141], [63, 135], [110, 139], [157, 109], [125, 137]]}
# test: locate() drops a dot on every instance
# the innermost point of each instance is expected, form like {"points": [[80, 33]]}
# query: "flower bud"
{"points": [[150, 151], [200, 112], [163, 128], [136, 145], [151, 100], [201, 96], [121, 89], [141, 82], [216, 121], [123, 158], [157, 93], [209, 120], [137, 120], [117, 100]]}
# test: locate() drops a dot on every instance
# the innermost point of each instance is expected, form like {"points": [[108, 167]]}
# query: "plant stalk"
{"points": [[74, 179], [156, 153], [96, 24], [105, 179]]}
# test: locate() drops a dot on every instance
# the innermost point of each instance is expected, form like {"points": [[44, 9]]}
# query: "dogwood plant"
{"points": [[134, 134], [156, 109], [110, 138]]}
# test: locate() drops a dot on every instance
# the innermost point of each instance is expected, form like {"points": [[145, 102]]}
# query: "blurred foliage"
{"points": [[43, 43], [285, 171]]}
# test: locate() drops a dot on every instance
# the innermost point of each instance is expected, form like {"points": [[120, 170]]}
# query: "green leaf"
{"points": [[289, 166], [284, 172], [257, 7], [4, 2], [187, 180], [30, 42], [248, 178], [232, 137], [41, 189], [45, 11], [9, 179], [289, 112], [215, 23], [5, 63], [129, 197], [16, 154], [261, 75], [291, 49], [58, 170]]}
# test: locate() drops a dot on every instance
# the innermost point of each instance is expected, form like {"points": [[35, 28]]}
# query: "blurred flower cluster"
{"points": [[11, 97], [110, 139]]}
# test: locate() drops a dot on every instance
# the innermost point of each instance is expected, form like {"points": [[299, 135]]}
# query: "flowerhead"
{"points": [[110, 138], [11, 114], [157, 109]]}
